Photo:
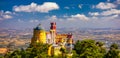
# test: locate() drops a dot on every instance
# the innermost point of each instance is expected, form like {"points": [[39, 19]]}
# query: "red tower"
{"points": [[53, 31], [53, 26]]}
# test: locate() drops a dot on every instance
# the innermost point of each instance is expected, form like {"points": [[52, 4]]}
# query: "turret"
{"points": [[39, 35], [53, 31]]}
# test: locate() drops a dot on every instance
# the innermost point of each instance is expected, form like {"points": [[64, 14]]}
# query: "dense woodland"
{"points": [[82, 49]]}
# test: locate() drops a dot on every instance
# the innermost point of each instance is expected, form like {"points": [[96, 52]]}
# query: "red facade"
{"points": [[53, 26]]}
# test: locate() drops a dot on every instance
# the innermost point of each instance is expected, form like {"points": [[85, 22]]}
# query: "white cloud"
{"points": [[34, 21], [54, 17], [118, 1], [66, 7], [102, 16], [78, 16], [79, 21], [8, 12], [33, 7], [94, 13], [114, 16], [80, 6], [103, 5], [5, 15], [110, 12]]}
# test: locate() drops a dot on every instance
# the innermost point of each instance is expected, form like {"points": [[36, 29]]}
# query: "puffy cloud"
{"points": [[94, 13], [81, 20], [110, 12], [79, 16], [5, 15], [53, 18], [109, 18], [103, 5], [75, 17], [8, 12], [33, 7]]}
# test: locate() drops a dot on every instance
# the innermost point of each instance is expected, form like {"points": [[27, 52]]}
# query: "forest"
{"points": [[87, 48]]}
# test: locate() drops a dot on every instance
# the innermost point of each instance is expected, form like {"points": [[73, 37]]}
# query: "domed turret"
{"points": [[39, 35]]}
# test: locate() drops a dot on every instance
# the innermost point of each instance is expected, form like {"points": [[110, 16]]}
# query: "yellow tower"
{"points": [[39, 35]]}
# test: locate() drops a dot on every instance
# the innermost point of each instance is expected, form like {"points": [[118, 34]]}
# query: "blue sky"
{"points": [[21, 14]]}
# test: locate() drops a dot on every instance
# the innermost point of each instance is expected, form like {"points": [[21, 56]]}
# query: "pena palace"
{"points": [[57, 41]]}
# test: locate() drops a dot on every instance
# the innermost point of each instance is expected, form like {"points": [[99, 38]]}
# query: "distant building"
{"points": [[3, 51], [56, 40]]}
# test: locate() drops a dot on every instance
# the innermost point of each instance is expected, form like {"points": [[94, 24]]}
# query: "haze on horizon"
{"points": [[20, 14]]}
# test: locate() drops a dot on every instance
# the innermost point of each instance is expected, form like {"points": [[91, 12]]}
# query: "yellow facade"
{"points": [[39, 36], [61, 38], [50, 50], [69, 41], [54, 51]]}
